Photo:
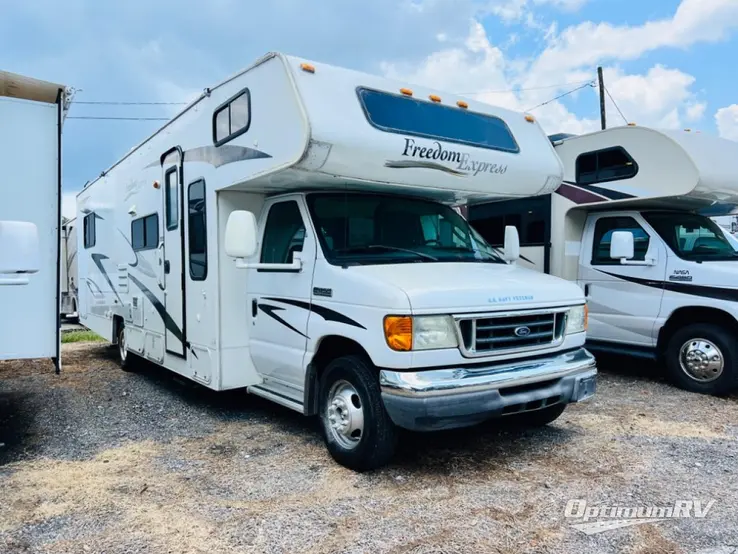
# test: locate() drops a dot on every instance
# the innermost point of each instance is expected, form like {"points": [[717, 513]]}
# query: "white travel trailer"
{"points": [[291, 232], [69, 277], [31, 118], [630, 224]]}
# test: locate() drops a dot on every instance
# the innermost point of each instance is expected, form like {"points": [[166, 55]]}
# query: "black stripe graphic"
{"points": [[717, 293], [169, 323], [322, 311], [98, 259], [270, 311]]}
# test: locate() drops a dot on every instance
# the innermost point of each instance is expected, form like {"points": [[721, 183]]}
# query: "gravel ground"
{"points": [[102, 461]]}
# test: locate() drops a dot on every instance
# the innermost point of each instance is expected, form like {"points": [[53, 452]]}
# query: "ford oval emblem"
{"points": [[522, 331]]}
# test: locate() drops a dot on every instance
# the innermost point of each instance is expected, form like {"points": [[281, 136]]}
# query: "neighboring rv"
{"points": [[31, 117], [628, 224], [69, 278], [291, 232]]}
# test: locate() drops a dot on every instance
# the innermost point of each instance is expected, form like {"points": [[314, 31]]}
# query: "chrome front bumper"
{"points": [[457, 397]]}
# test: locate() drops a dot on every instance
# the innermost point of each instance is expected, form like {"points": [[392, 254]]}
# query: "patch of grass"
{"points": [[81, 336]]}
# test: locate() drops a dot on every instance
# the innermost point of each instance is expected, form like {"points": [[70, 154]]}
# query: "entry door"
{"points": [[624, 301], [279, 300], [173, 245]]}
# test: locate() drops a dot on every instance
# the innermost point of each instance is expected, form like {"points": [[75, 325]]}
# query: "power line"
{"points": [[120, 118], [111, 103], [587, 84], [616, 105], [523, 89]]}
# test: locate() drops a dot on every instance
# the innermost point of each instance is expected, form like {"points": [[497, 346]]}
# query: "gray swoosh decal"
{"points": [[144, 266], [405, 164], [222, 155]]}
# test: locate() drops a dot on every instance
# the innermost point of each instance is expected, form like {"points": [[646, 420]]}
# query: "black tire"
{"points": [[539, 418], [723, 381], [126, 359], [376, 443]]}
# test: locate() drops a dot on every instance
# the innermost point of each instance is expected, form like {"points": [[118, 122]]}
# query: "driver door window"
{"points": [[284, 233], [604, 229]]}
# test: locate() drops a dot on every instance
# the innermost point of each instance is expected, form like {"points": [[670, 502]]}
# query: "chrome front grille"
{"points": [[492, 333]]}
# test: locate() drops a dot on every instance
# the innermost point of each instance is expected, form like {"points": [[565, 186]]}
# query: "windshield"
{"points": [[375, 229], [692, 236]]}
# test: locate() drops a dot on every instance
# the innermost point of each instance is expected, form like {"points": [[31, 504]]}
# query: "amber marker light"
{"points": [[398, 332]]}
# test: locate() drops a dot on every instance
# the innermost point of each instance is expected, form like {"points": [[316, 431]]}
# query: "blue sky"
{"points": [[667, 63]]}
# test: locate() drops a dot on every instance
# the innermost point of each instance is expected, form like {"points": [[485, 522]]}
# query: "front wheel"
{"points": [[702, 358], [357, 429]]}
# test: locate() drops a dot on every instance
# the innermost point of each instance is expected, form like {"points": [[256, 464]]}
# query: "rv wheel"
{"points": [[124, 357], [702, 358], [357, 430]]}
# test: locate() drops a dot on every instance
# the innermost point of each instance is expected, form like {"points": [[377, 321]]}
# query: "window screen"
{"points": [[171, 199], [88, 225], [145, 232], [197, 231], [232, 118], [605, 165], [410, 116]]}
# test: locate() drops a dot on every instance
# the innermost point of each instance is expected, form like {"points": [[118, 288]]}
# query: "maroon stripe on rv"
{"points": [[577, 195]]}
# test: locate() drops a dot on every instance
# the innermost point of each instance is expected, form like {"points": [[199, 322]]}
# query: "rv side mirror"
{"points": [[622, 246], [240, 234], [19, 252], [512, 243]]}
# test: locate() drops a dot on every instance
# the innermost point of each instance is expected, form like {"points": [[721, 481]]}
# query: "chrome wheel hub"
{"points": [[122, 346], [345, 414], [701, 360]]}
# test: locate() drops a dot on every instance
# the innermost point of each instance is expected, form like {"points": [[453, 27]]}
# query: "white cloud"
{"points": [[589, 43], [661, 97], [516, 10], [727, 122]]}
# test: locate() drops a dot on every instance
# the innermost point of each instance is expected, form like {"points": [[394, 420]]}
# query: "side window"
{"points": [[605, 227], [170, 195], [605, 165], [145, 232], [197, 231], [232, 118], [88, 225], [284, 233]]}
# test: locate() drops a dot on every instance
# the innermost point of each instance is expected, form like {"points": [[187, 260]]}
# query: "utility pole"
{"points": [[603, 119]]}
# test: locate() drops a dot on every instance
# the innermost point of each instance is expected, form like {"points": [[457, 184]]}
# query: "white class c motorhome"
{"points": [[630, 224], [31, 118], [291, 232]]}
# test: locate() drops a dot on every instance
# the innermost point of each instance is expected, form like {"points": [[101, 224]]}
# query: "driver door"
{"points": [[623, 300]]}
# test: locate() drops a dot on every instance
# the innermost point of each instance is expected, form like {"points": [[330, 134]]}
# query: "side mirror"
{"points": [[240, 234], [622, 246], [512, 243], [19, 252]]}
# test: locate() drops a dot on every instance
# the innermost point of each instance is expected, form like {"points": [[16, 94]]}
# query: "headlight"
{"points": [[405, 333], [576, 320]]}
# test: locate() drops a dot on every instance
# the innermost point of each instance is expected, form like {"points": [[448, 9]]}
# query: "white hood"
{"points": [[454, 287]]}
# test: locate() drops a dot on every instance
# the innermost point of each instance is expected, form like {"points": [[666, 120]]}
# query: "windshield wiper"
{"points": [[355, 249]]}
